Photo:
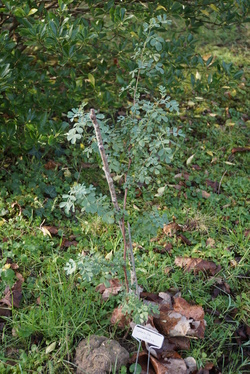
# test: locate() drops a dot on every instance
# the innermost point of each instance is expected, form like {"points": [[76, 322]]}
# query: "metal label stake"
{"points": [[141, 333]]}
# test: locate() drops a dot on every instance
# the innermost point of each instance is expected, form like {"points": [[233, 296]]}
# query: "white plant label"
{"points": [[148, 336]]}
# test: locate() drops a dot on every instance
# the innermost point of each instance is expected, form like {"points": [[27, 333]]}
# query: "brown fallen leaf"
{"points": [[221, 287], [189, 311], [208, 366], [16, 291], [170, 366], [172, 228], [5, 311], [119, 318], [13, 265], [67, 243], [172, 363], [51, 229], [242, 334], [51, 165], [240, 149], [20, 277], [184, 175], [115, 287], [177, 187], [150, 296], [197, 265], [179, 342], [212, 184], [13, 296], [172, 323], [161, 298], [177, 320], [167, 249], [182, 183], [196, 167], [210, 242], [168, 270], [170, 345], [205, 194]]}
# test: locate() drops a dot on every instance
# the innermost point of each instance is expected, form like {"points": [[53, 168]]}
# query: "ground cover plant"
{"points": [[189, 220]]}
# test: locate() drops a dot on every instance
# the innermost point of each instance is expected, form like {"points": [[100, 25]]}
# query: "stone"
{"points": [[99, 355]]}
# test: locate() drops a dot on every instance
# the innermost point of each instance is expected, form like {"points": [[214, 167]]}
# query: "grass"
{"points": [[57, 311]]}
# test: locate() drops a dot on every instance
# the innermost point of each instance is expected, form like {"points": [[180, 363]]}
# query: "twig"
{"points": [[111, 186], [133, 271]]}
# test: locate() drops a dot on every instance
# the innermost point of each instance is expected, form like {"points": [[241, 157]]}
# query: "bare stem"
{"points": [[104, 160], [111, 186], [126, 189], [133, 271]]}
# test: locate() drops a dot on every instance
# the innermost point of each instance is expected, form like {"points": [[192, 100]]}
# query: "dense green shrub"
{"points": [[56, 54]]}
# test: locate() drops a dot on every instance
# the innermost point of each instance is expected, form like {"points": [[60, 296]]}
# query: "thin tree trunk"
{"points": [[111, 187]]}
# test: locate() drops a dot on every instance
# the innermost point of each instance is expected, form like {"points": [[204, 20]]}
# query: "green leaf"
{"points": [[32, 11], [210, 79], [19, 12], [227, 67], [91, 79], [5, 70], [209, 60], [176, 7], [122, 13], [160, 191], [239, 74], [190, 159], [53, 27], [158, 46], [50, 348]]}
